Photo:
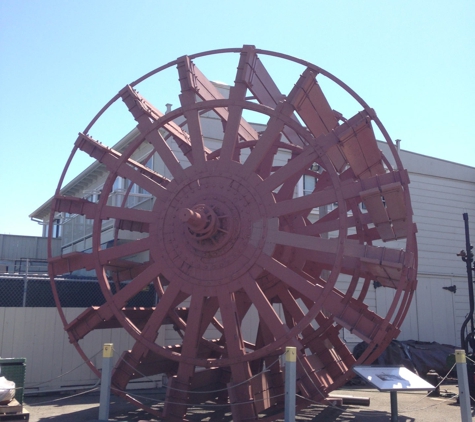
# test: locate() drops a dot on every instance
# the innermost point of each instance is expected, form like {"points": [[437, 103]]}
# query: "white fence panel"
{"points": [[52, 362]]}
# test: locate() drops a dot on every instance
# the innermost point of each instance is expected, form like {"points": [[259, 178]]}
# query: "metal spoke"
{"points": [[137, 173], [188, 97], [145, 115], [267, 312]]}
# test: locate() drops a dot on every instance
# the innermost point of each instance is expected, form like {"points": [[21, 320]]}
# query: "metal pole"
{"points": [[468, 259], [25, 281], [464, 392], [105, 395], [394, 416], [290, 383]]}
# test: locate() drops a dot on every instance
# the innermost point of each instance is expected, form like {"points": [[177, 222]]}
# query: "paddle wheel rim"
{"points": [[235, 236]]}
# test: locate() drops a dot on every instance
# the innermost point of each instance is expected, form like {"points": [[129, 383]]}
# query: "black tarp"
{"points": [[417, 356]]}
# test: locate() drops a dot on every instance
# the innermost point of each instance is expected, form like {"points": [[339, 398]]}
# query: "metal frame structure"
{"points": [[227, 239]]}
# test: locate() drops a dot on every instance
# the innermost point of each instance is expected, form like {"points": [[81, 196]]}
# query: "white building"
{"points": [[441, 192]]}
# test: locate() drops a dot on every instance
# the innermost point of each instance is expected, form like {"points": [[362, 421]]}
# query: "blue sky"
{"points": [[61, 61]]}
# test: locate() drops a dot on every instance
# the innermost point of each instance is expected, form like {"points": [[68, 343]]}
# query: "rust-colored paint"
{"points": [[226, 235]]}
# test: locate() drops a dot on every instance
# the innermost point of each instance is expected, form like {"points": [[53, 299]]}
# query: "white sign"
{"points": [[392, 378]]}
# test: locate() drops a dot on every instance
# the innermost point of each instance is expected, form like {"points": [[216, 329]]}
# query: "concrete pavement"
{"points": [[413, 406]]}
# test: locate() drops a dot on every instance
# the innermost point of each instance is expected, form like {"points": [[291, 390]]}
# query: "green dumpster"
{"points": [[13, 369]]}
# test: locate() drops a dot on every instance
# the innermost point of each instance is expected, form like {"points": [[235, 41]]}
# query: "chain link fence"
{"points": [[24, 282], [34, 290]]}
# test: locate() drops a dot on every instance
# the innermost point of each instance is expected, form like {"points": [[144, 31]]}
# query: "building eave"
{"points": [[82, 180]]}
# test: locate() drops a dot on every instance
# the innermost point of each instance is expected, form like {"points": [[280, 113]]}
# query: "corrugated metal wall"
{"points": [[14, 247], [52, 363], [441, 192]]}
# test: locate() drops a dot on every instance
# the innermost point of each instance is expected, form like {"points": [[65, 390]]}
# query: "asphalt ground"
{"points": [[412, 406]]}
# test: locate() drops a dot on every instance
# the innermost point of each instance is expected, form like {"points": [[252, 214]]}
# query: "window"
{"points": [[56, 228], [119, 184], [310, 181], [308, 184]]}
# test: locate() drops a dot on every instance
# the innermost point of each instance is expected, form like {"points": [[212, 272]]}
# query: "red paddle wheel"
{"points": [[242, 262]]}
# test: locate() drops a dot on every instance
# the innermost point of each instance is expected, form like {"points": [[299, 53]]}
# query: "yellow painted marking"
{"points": [[290, 354], [108, 350]]}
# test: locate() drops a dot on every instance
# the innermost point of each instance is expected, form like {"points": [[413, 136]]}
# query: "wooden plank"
{"points": [[12, 407]]}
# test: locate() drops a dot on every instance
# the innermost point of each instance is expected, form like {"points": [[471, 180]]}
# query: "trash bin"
{"points": [[13, 369]]}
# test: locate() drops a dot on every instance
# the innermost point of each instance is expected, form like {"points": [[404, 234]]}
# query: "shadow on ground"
{"points": [[85, 408]]}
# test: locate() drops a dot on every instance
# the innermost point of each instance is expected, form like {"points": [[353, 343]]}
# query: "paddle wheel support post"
{"points": [[105, 394], [464, 392], [290, 383]]}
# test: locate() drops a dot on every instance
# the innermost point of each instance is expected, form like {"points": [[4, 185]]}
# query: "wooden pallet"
{"points": [[13, 411]]}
